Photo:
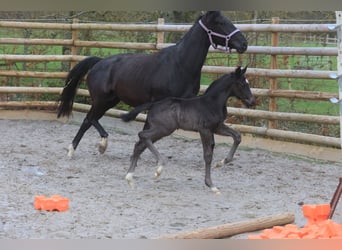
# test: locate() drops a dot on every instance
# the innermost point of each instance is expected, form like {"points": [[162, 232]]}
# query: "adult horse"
{"points": [[140, 78]]}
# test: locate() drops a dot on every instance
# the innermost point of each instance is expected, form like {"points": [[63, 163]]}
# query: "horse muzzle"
{"points": [[241, 48], [249, 102]]}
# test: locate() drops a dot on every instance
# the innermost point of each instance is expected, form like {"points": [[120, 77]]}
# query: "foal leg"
{"points": [[150, 136], [208, 144], [227, 131], [139, 148], [144, 141]]}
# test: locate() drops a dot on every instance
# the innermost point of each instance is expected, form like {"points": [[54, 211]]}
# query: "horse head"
{"points": [[221, 31], [242, 89]]}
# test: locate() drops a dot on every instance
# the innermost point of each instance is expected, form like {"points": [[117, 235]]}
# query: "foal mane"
{"points": [[218, 83]]}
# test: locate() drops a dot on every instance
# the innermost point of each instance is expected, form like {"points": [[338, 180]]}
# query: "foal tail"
{"points": [[134, 113], [72, 83]]}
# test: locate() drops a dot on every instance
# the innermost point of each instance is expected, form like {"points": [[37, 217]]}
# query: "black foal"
{"points": [[205, 114]]}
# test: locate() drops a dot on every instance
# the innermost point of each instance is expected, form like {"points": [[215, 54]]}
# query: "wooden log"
{"points": [[121, 45], [227, 230], [307, 51], [298, 94], [40, 58], [311, 74], [28, 104], [286, 28], [278, 73], [288, 135], [16, 73], [35, 25], [37, 41], [39, 90], [286, 116]]}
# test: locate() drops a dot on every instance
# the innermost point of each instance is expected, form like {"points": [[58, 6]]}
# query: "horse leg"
{"points": [[226, 131], [102, 145], [96, 111], [84, 127], [99, 108], [208, 143]]}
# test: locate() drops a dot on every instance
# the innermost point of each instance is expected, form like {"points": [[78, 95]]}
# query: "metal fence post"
{"points": [[338, 77], [339, 63]]}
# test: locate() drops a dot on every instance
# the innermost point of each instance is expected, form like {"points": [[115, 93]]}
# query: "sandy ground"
{"points": [[102, 205]]}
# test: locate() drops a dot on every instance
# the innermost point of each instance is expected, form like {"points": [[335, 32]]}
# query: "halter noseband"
{"points": [[212, 33]]}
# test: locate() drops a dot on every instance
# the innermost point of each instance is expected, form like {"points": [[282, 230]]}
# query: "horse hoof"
{"points": [[129, 179], [102, 146], [216, 190], [71, 151], [158, 172]]}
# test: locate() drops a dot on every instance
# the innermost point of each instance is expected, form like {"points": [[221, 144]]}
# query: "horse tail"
{"points": [[134, 113], [72, 83]]}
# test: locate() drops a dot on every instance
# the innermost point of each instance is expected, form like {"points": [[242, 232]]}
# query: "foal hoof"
{"points": [[102, 146], [71, 151], [129, 179], [216, 190], [219, 164], [223, 162], [159, 171]]}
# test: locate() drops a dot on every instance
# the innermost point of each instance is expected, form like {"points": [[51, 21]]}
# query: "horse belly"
{"points": [[132, 94]]}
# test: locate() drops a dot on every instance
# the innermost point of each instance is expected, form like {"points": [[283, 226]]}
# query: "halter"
{"points": [[212, 33]]}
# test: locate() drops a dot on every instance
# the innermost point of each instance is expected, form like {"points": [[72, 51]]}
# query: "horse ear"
{"points": [[238, 71], [244, 70], [213, 13]]}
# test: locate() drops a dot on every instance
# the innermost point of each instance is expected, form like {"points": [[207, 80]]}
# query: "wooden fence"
{"points": [[272, 73]]}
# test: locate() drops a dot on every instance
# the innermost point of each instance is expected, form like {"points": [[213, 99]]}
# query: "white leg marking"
{"points": [[103, 145], [219, 164], [159, 170], [129, 179], [216, 190], [71, 151]]}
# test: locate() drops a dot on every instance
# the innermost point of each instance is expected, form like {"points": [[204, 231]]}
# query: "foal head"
{"points": [[241, 89], [222, 31]]}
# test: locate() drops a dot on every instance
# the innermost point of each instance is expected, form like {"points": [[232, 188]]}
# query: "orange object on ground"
{"points": [[53, 203], [316, 213], [318, 226]]}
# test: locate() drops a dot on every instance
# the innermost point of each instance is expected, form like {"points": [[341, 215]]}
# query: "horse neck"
{"points": [[193, 48]]}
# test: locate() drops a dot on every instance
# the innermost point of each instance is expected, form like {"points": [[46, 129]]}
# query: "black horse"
{"points": [[205, 114], [141, 78]]}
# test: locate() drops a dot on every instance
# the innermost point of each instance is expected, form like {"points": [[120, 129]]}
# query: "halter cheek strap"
{"points": [[212, 33]]}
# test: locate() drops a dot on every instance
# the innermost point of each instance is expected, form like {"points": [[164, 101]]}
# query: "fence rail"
{"points": [[271, 73]]}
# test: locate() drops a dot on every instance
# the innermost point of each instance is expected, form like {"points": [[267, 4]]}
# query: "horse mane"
{"points": [[192, 28]]}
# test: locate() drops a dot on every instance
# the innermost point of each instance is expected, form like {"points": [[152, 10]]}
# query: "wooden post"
{"points": [[273, 81], [227, 230], [74, 38], [160, 34]]}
